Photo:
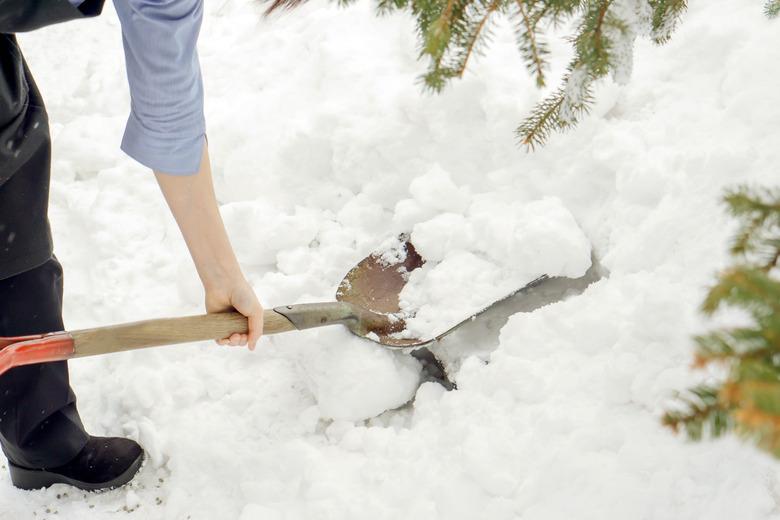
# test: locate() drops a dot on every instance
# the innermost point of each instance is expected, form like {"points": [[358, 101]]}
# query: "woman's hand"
{"points": [[241, 297]]}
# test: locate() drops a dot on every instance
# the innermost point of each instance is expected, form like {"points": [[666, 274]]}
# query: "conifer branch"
{"points": [[388, 6], [749, 397], [474, 34], [772, 8], [666, 15], [451, 32], [743, 343], [749, 287], [555, 11], [560, 111], [702, 413], [544, 119], [532, 50], [438, 34], [772, 261], [759, 211], [437, 37], [591, 44]]}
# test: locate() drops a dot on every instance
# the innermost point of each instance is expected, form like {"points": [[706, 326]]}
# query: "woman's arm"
{"points": [[166, 132], [194, 205]]}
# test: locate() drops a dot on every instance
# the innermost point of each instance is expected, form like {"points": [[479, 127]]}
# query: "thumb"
{"points": [[255, 327]]}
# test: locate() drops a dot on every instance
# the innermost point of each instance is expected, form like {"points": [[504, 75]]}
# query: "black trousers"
{"points": [[39, 424]]}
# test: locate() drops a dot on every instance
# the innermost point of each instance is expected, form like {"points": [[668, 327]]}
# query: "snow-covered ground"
{"points": [[323, 146]]}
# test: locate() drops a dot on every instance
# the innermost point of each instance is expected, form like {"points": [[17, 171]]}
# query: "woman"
{"points": [[40, 430]]}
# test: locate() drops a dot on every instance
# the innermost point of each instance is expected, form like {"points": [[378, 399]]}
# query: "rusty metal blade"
{"points": [[374, 285]]}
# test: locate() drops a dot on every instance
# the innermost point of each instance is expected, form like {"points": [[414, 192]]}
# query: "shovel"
{"points": [[366, 303]]}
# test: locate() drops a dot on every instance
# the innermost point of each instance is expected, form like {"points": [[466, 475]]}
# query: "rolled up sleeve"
{"points": [[166, 127]]}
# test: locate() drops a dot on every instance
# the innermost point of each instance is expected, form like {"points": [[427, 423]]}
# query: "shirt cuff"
{"points": [[76, 3], [163, 153]]}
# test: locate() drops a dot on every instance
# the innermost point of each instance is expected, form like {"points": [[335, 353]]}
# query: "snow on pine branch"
{"points": [[451, 32]]}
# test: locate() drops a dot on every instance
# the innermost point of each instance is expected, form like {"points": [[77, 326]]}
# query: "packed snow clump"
{"points": [[352, 378], [484, 253]]}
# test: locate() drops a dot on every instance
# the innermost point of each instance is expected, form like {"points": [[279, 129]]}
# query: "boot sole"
{"points": [[24, 478]]}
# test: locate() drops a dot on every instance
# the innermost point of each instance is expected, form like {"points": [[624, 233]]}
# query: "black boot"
{"points": [[105, 462]]}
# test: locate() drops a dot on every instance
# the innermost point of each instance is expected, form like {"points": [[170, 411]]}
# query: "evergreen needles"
{"points": [[748, 401], [772, 8], [451, 32]]}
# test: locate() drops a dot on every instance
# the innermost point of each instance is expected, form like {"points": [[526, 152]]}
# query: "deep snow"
{"points": [[318, 135]]}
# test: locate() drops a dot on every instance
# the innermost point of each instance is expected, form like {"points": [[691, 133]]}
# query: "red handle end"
{"points": [[29, 350]]}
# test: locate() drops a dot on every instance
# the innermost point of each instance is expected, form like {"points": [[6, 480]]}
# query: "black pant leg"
{"points": [[39, 423], [25, 238]]}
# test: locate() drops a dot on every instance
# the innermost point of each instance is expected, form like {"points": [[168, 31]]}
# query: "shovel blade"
{"points": [[374, 286]]}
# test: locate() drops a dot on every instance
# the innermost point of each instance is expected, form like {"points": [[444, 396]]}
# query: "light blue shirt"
{"points": [[166, 128]]}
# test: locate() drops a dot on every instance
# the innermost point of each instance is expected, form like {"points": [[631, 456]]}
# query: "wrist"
{"points": [[220, 275]]}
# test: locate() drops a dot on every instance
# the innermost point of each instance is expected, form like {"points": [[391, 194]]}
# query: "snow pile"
{"points": [[480, 249], [354, 379], [323, 146]]}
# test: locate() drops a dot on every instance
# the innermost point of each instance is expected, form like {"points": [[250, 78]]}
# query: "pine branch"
{"points": [[555, 11], [775, 258], [666, 16], [746, 200], [531, 48], [438, 35], [747, 287], [759, 213], [772, 8], [702, 413], [759, 427], [544, 119], [742, 343], [754, 395], [749, 398], [384, 7], [746, 373], [283, 4], [754, 402], [451, 32], [565, 107], [559, 111], [474, 33], [591, 44]]}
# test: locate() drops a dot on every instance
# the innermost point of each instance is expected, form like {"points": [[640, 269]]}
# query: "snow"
{"points": [[323, 147], [480, 258], [353, 380]]}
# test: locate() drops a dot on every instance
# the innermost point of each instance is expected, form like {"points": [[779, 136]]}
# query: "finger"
{"points": [[223, 341], [235, 339], [255, 328]]}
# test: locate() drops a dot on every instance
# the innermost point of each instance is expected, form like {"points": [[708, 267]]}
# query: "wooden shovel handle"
{"points": [[169, 331]]}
